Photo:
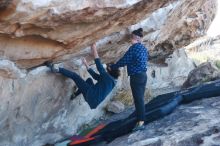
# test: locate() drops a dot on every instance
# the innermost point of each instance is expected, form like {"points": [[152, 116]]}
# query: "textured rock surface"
{"points": [[115, 107], [35, 105], [51, 30], [9, 70], [171, 75], [194, 124], [65, 27], [203, 73], [36, 109]]}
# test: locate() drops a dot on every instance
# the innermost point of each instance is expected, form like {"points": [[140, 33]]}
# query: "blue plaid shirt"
{"points": [[135, 59]]}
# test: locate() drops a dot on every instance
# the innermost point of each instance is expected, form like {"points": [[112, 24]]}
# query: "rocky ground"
{"points": [[194, 124]]}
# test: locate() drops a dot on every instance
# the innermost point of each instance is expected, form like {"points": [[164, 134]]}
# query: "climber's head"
{"points": [[115, 73]]}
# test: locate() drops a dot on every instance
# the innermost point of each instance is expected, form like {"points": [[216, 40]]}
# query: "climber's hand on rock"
{"points": [[94, 50], [93, 46], [85, 62]]}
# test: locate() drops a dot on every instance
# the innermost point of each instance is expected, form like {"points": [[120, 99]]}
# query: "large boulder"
{"points": [[203, 73], [35, 107], [53, 30], [48, 30], [115, 107]]}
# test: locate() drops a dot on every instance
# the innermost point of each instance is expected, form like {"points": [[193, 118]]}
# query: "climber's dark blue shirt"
{"points": [[135, 59], [105, 83]]}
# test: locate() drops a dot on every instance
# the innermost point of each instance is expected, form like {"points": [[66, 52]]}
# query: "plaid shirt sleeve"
{"points": [[125, 60]]}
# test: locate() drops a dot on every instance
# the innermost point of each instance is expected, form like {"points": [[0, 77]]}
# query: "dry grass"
{"points": [[125, 96], [148, 95], [217, 63], [206, 49]]}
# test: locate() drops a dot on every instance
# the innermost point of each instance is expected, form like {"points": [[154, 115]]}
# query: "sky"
{"points": [[214, 29]]}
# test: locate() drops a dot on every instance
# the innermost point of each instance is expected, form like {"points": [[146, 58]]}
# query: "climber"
{"points": [[136, 61], [93, 94]]}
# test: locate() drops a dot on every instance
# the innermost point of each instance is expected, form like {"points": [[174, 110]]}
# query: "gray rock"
{"points": [[36, 109], [203, 73], [115, 107]]}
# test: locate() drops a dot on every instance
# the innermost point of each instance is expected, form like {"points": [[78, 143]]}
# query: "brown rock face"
{"points": [[48, 34], [51, 30]]}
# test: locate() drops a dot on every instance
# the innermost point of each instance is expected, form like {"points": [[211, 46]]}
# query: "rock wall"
{"points": [[37, 109], [53, 30], [35, 106], [64, 27], [170, 76]]}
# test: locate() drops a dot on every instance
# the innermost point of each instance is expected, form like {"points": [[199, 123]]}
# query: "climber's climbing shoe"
{"points": [[53, 68], [138, 127]]}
